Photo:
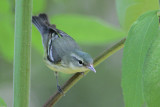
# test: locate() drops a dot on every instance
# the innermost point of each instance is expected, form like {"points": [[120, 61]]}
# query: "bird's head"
{"points": [[81, 60]]}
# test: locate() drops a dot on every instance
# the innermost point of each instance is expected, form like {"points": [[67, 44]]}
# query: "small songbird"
{"points": [[61, 52]]}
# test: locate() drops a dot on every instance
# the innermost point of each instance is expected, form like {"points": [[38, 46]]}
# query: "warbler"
{"points": [[61, 52]]}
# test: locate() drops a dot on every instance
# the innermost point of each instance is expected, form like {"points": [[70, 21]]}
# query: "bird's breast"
{"points": [[65, 69]]}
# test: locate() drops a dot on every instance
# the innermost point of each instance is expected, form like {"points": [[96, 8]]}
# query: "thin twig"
{"points": [[76, 77]]}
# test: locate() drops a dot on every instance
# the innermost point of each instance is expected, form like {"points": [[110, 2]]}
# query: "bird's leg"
{"points": [[58, 86]]}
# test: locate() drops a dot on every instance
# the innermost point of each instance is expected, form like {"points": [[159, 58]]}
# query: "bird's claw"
{"points": [[60, 89]]}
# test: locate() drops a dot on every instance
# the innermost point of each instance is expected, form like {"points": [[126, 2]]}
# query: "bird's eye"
{"points": [[80, 62]]}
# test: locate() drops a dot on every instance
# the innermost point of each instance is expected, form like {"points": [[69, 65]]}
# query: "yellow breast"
{"points": [[65, 69]]}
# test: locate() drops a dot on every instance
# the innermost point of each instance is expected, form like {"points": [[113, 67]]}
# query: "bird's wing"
{"points": [[56, 42], [59, 45]]}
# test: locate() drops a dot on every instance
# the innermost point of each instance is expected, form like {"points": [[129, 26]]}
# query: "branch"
{"points": [[22, 52], [76, 77]]}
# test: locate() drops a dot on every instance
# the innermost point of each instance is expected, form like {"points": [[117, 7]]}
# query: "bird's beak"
{"points": [[91, 68]]}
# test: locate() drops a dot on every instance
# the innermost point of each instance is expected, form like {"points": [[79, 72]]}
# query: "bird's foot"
{"points": [[60, 90]]}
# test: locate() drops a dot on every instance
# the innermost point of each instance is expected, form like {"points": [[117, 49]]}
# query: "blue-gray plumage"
{"points": [[62, 54]]}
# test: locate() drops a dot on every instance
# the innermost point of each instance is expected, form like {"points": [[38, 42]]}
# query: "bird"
{"points": [[61, 52]]}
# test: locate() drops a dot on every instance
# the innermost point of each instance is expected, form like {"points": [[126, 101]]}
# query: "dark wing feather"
{"points": [[62, 46]]}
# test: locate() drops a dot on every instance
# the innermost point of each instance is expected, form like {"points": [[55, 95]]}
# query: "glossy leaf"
{"points": [[140, 37], [83, 29], [2, 103], [129, 10], [151, 75]]}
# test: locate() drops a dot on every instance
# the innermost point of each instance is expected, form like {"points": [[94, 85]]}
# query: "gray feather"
{"points": [[56, 42], [62, 46]]}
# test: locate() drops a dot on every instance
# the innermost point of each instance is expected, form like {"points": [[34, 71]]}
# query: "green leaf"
{"points": [[140, 37], [129, 10], [83, 29], [7, 31], [151, 75], [38, 6], [2, 103], [4, 7], [87, 29]]}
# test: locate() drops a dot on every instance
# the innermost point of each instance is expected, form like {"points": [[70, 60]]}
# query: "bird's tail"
{"points": [[44, 18], [41, 22]]}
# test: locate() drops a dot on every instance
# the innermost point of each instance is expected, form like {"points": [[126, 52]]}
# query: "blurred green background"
{"points": [[94, 25]]}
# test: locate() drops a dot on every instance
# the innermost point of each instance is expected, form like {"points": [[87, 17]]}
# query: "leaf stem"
{"points": [[22, 52], [76, 77]]}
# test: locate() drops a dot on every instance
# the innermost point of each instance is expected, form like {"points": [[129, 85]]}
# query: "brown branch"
{"points": [[76, 77]]}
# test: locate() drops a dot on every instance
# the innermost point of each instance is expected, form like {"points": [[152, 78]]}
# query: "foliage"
{"points": [[2, 103], [130, 10], [151, 74], [140, 58], [140, 37]]}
